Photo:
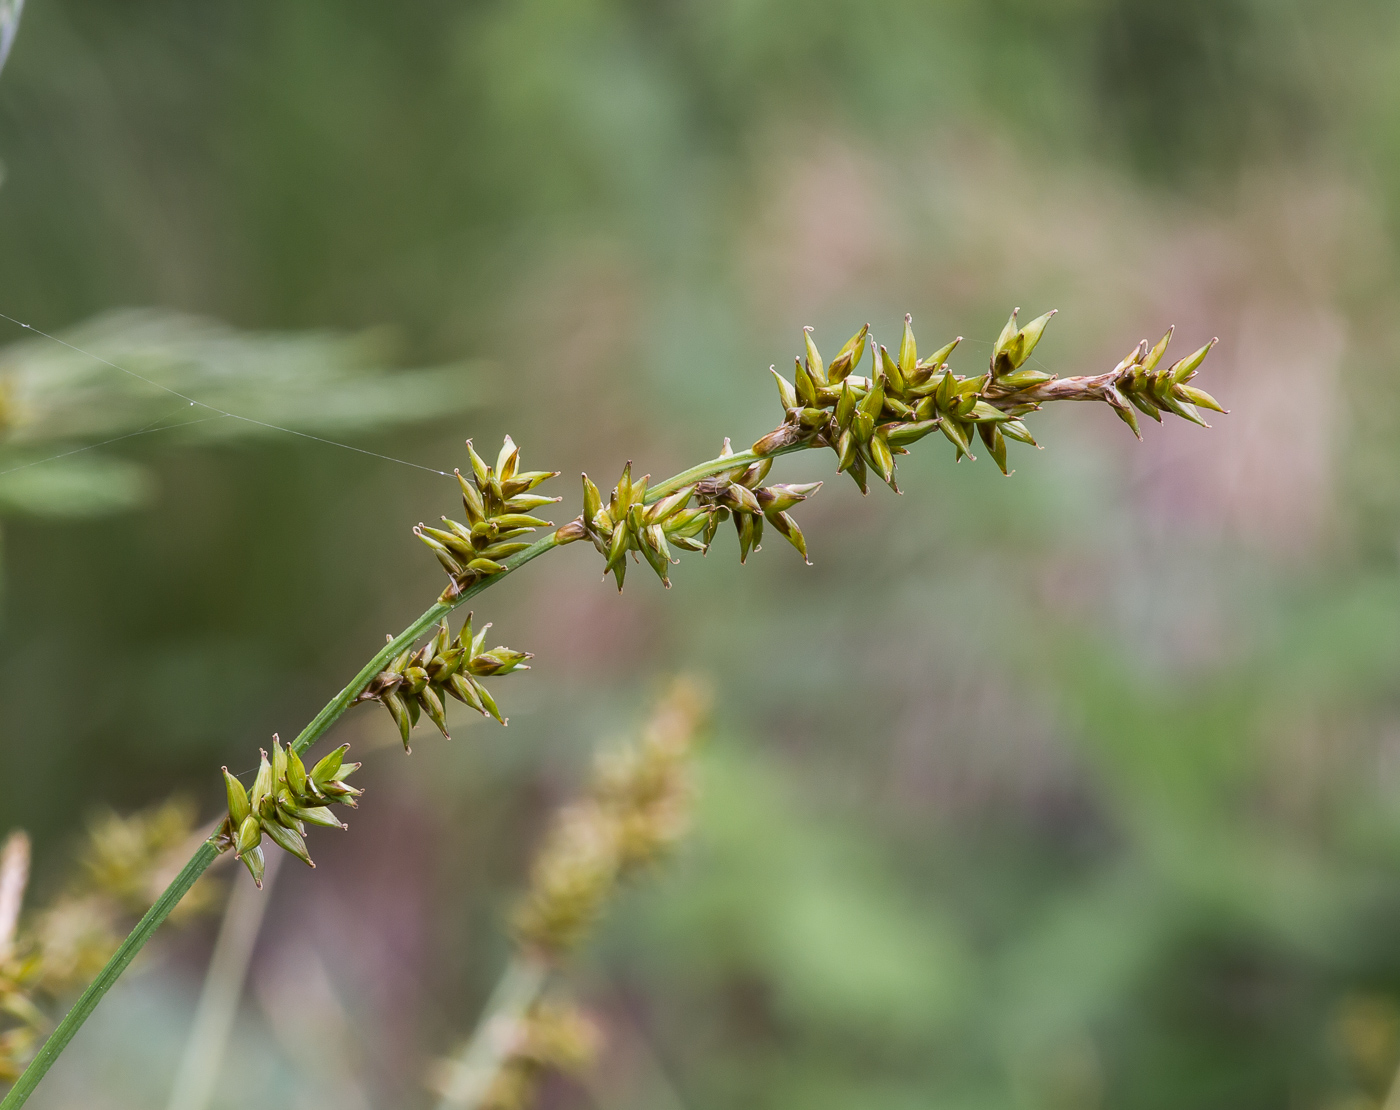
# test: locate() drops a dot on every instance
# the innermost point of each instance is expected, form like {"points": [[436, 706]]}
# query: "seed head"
{"points": [[498, 506], [418, 681], [869, 421], [636, 808], [284, 799]]}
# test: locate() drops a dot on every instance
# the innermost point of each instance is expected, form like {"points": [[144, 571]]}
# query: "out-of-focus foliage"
{"points": [[50, 953], [134, 373], [1076, 789]]}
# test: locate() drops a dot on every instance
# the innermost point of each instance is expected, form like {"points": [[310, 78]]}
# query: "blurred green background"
{"points": [[1075, 790]]}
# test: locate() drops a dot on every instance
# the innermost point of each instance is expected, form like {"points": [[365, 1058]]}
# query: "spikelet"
{"points": [[498, 506], [417, 682], [869, 421], [284, 799]]}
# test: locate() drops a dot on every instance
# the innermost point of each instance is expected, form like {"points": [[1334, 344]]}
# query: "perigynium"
{"points": [[867, 419]]}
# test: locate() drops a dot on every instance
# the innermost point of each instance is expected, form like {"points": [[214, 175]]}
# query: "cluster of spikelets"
{"points": [[416, 682], [1139, 381], [637, 806], [627, 524], [498, 506], [740, 493], [284, 799], [122, 866], [868, 421]]}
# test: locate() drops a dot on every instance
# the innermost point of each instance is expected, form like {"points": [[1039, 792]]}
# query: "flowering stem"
{"points": [[496, 1034], [207, 853], [860, 427]]}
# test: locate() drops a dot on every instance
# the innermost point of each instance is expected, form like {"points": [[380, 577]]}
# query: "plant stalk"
{"points": [[207, 853], [718, 466], [496, 1034], [87, 1002]]}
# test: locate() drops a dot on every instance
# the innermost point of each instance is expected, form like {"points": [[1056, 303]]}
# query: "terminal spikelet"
{"points": [[869, 420]]}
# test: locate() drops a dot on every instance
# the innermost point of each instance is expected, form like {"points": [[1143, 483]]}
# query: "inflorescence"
{"points": [[552, 1036], [866, 420], [285, 798], [637, 807], [417, 681], [498, 504]]}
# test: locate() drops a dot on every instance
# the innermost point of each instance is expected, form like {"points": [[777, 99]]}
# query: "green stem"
{"points": [[58, 1041], [207, 853], [346, 698], [717, 466]]}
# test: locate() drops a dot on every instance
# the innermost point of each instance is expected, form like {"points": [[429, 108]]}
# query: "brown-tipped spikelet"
{"points": [[416, 682], [738, 494], [284, 799], [637, 807], [499, 507], [628, 525]]}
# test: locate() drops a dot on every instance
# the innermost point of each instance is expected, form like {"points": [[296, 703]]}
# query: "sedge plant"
{"points": [[867, 415]]}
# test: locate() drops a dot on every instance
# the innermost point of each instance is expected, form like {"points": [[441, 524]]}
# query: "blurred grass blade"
{"points": [[14, 877], [223, 987], [10, 11]]}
